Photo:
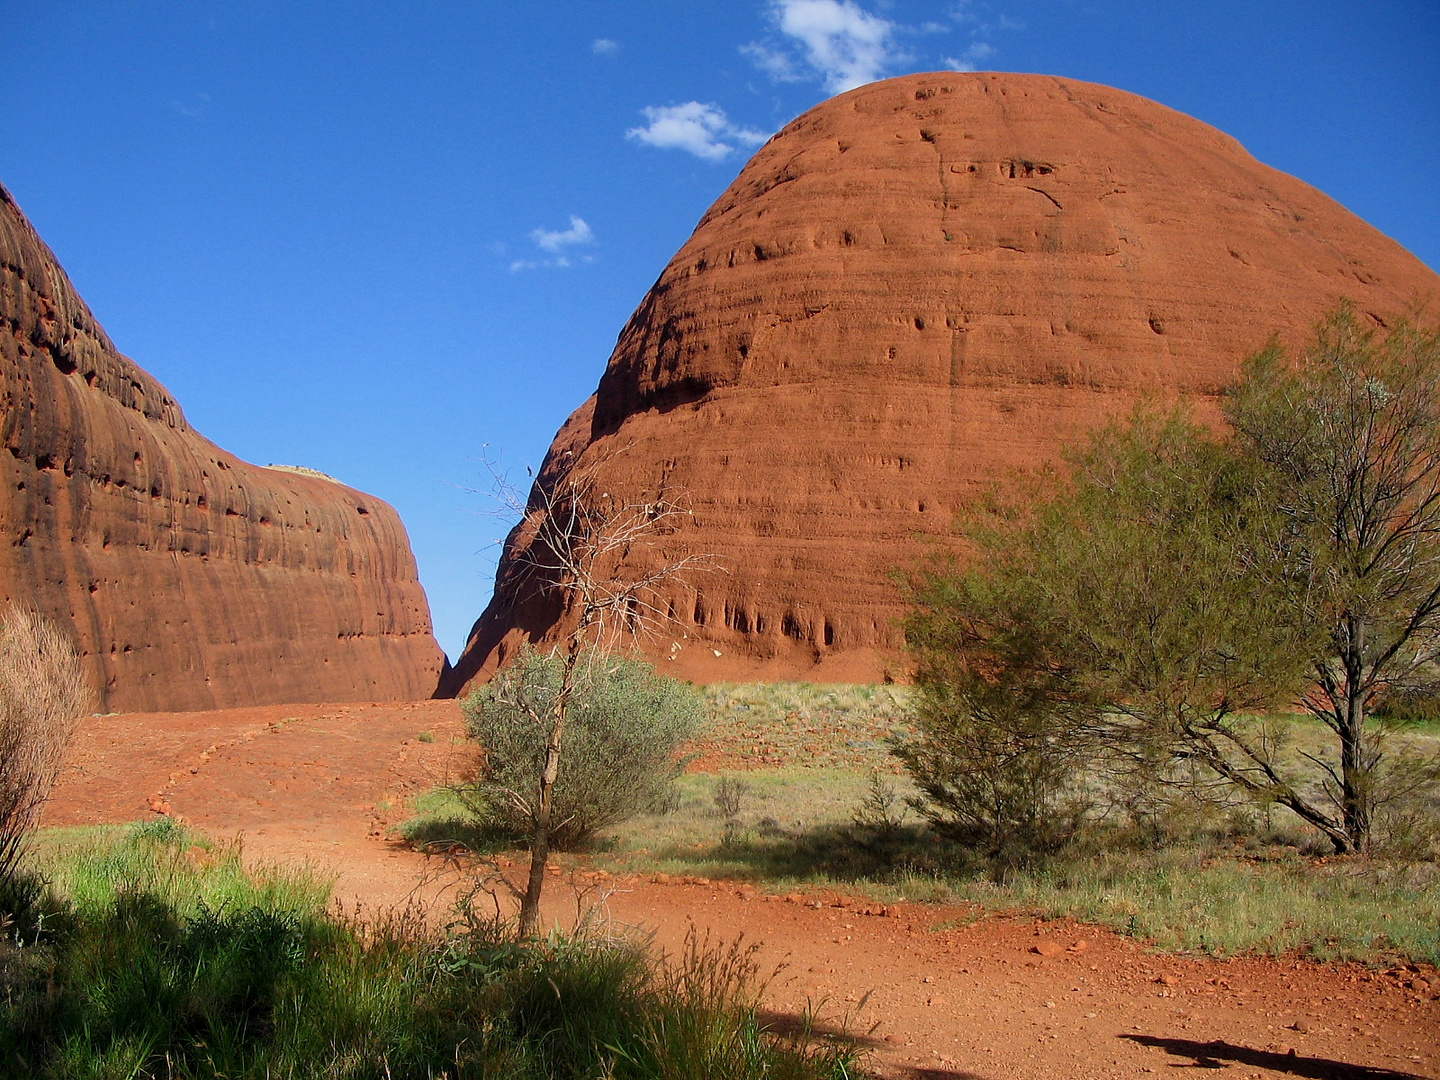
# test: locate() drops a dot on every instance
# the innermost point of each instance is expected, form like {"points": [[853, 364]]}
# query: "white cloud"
{"points": [[697, 128], [963, 11], [559, 262], [558, 239], [780, 66], [840, 41], [604, 46], [976, 54], [982, 24]]}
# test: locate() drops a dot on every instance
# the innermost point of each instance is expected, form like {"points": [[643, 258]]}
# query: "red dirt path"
{"points": [[951, 995]]}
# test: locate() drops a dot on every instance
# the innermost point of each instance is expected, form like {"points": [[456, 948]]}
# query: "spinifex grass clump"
{"points": [[168, 960]]}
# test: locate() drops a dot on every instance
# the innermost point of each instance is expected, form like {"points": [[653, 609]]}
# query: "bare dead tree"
{"points": [[604, 554]]}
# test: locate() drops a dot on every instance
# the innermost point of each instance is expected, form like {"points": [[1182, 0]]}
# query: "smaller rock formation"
{"points": [[191, 579]]}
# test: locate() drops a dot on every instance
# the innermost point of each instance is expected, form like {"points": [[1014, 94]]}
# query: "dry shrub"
{"points": [[43, 694]]}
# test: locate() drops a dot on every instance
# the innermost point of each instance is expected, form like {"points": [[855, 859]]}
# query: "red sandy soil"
{"points": [[934, 992]]}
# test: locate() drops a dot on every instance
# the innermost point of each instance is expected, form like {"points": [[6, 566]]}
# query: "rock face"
{"points": [[910, 290], [191, 579]]}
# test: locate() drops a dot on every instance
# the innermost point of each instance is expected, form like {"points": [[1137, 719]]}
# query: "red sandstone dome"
{"points": [[911, 289], [189, 578]]}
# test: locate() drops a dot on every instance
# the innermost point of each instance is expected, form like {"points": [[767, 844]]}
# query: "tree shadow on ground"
{"points": [[438, 835], [838, 852], [790, 1025], [793, 1025], [1214, 1055]]}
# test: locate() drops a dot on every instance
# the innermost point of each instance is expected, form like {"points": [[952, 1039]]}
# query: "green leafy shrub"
{"points": [[997, 768], [623, 727]]}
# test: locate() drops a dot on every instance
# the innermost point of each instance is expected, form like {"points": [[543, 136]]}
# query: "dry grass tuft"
{"points": [[43, 694]]}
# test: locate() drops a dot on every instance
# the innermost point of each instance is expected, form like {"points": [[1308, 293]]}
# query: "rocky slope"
{"points": [[191, 579], [911, 289]]}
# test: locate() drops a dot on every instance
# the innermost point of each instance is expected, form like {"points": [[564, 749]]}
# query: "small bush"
{"points": [[729, 795], [42, 697], [997, 774], [622, 731], [1412, 705]]}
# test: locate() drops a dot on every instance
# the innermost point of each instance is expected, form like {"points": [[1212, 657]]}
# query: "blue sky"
{"points": [[373, 238]]}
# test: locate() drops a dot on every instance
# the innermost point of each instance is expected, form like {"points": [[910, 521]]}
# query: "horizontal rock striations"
{"points": [[191, 579], [910, 290]]}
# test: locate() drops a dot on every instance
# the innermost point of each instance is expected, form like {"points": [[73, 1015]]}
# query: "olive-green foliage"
{"points": [[623, 727], [1146, 611], [1104, 621], [1416, 707], [265, 985]]}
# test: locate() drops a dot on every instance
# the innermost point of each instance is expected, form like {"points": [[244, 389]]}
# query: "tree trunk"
{"points": [[530, 902], [1354, 770], [544, 803], [540, 840]]}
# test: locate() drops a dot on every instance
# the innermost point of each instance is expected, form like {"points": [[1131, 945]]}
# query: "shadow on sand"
{"points": [[1215, 1055], [789, 1024]]}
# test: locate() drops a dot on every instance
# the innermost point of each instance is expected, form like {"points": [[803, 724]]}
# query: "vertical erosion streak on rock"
{"points": [[847, 349], [191, 579]]}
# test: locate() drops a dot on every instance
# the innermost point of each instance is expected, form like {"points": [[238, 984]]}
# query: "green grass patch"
{"points": [[441, 819], [160, 858], [161, 956], [1194, 900], [812, 829], [1208, 894]]}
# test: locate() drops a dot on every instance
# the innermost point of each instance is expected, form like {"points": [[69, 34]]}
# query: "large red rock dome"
{"points": [[188, 578], [911, 289]]}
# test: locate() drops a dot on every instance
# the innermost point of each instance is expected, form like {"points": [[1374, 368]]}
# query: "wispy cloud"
{"points": [[604, 46], [982, 24], [971, 58], [837, 41], [697, 128], [557, 242], [193, 108], [559, 239], [778, 64]]}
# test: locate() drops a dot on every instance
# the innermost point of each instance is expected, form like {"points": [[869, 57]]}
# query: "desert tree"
{"points": [[604, 557], [42, 697], [1105, 617], [1163, 597], [1347, 436], [625, 725]]}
